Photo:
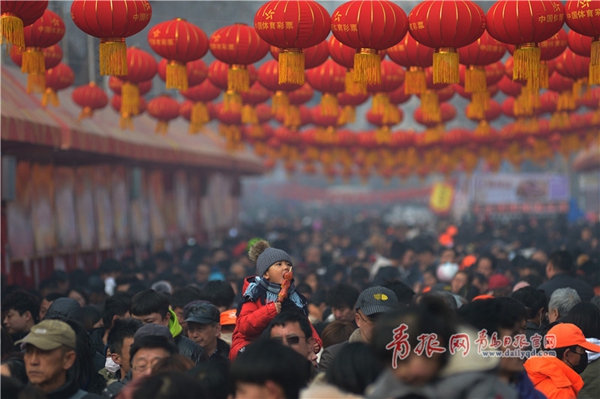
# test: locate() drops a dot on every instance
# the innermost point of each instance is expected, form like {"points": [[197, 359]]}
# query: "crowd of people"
{"points": [[321, 308]]}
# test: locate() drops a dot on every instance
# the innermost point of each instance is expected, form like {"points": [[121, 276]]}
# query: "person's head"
{"points": [[119, 341], [371, 304], [560, 262], [337, 332], [228, 320], [561, 301], [448, 255], [214, 378], [461, 279], [92, 318], [403, 292], [110, 268], [150, 307], [146, 351], [66, 307], [540, 256], [49, 353], [47, 301], [180, 298], [354, 368], [486, 265], [267, 369], [271, 263], [534, 300], [430, 316], [171, 384], [203, 321], [21, 310], [499, 285], [80, 295], [219, 293], [123, 283], [504, 316], [202, 273], [430, 277], [292, 328], [571, 346], [586, 316], [341, 299], [178, 363], [402, 253], [425, 256], [480, 282], [116, 307]]}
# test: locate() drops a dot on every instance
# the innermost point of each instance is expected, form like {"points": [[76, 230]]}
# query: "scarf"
{"points": [[262, 289]]}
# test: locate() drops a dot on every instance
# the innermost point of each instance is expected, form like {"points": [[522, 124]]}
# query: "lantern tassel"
{"points": [[352, 87], [430, 106], [280, 104], [12, 30], [292, 117], [594, 74], [113, 57], [367, 66], [232, 101], [238, 78], [249, 114], [350, 114], [415, 82], [445, 66], [51, 97], [86, 112], [33, 61], [162, 127], [199, 116], [527, 62], [126, 122], [329, 105], [130, 100], [475, 80], [36, 82], [380, 103], [176, 76], [543, 75], [291, 66]]}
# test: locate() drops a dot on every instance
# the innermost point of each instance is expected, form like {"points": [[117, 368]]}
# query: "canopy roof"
{"points": [[24, 120]]}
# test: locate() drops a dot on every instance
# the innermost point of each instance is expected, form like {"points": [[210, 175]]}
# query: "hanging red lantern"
{"points": [[292, 26], [592, 99], [179, 42], [392, 78], [414, 56], [579, 44], [584, 18], [368, 27], [125, 121], [89, 97], [197, 71], [384, 122], [348, 102], [344, 55], [58, 78], [484, 51], [237, 45], [548, 102], [525, 23], [36, 82], [313, 56], [268, 76], [251, 98], [165, 109], [430, 103], [296, 117], [218, 73], [447, 113], [573, 66], [112, 22], [116, 84], [230, 126], [301, 95], [492, 90], [45, 32], [329, 79], [16, 15], [187, 110], [200, 95], [141, 67], [446, 26], [399, 96]]}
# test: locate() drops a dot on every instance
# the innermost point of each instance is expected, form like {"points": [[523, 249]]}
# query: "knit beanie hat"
{"points": [[264, 256]]}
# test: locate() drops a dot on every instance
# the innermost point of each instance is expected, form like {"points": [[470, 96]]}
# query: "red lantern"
{"points": [[525, 23], [579, 44], [165, 109], [141, 67], [329, 78], [548, 102], [392, 78], [218, 73], [592, 99], [446, 26], [414, 56], [256, 95], [36, 82], [111, 21], [447, 112], [302, 95], [197, 71], [510, 87], [384, 122], [58, 78], [493, 112], [349, 102], [230, 126], [572, 66], [484, 51], [399, 96], [179, 42], [238, 45], [583, 17], [45, 32], [268, 76], [15, 15], [90, 97], [292, 26], [200, 95], [344, 55], [368, 27], [187, 110], [116, 84], [126, 120], [313, 56]]}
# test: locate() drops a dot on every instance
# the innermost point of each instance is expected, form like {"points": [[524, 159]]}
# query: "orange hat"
{"points": [[484, 296], [568, 334], [452, 230], [498, 281], [228, 317], [446, 240], [468, 261]]}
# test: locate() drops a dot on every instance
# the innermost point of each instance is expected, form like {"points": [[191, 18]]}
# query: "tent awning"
{"points": [[24, 120]]}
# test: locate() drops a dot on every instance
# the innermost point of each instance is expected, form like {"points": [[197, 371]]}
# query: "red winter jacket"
{"points": [[254, 317]]}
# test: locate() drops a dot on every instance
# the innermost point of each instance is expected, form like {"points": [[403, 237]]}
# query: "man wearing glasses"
{"points": [[371, 303], [292, 328]]}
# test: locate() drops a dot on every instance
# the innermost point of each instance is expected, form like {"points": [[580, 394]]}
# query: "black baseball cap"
{"points": [[376, 300], [203, 313]]}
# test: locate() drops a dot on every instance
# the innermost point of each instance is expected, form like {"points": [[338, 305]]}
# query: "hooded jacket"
{"points": [[66, 307], [187, 347], [553, 377]]}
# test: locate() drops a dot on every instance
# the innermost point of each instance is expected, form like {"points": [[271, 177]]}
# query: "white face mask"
{"points": [[226, 337], [111, 366]]}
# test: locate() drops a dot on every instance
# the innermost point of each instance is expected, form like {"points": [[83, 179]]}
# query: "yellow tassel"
{"points": [[33, 61], [430, 107], [280, 103], [479, 104], [260, 148], [232, 101], [380, 103], [291, 117], [12, 30], [483, 129], [238, 78], [86, 112], [354, 88], [391, 116], [113, 57], [176, 76], [544, 75], [350, 114], [594, 75], [560, 120], [527, 62], [383, 135], [475, 80], [367, 66], [566, 102], [162, 127], [415, 82], [200, 113], [50, 96], [445, 66], [249, 115], [36, 82], [291, 66], [130, 99], [126, 122], [329, 105]]}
